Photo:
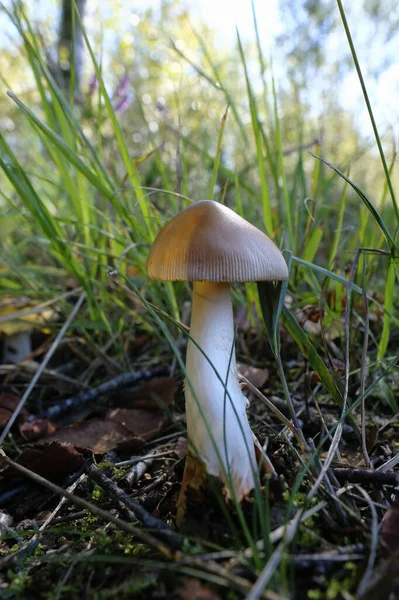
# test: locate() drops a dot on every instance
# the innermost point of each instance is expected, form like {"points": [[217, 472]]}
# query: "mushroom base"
{"points": [[217, 426]]}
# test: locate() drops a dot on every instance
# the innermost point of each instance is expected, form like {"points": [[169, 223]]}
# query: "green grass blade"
{"points": [[69, 154], [370, 207], [312, 243], [267, 211], [388, 306], [338, 226], [332, 385], [287, 217], [142, 200], [369, 109], [218, 154]]}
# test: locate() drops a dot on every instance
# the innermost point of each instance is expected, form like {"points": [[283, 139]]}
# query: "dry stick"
{"points": [[366, 476], [140, 513], [144, 537], [30, 366], [43, 365], [28, 547], [136, 472], [147, 458], [390, 464], [120, 381], [328, 482], [272, 407]]}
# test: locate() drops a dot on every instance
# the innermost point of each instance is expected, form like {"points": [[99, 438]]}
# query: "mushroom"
{"points": [[15, 334], [210, 245]]}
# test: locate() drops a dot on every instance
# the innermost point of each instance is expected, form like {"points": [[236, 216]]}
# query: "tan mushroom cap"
{"points": [[209, 242]]}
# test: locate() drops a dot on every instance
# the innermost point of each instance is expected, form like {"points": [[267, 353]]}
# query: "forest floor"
{"points": [[119, 452]]}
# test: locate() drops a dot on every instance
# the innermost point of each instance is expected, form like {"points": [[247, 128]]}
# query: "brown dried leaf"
{"points": [[257, 377], [141, 423], [192, 490], [98, 435], [8, 403], [156, 393], [390, 526], [54, 461], [34, 430], [192, 589]]}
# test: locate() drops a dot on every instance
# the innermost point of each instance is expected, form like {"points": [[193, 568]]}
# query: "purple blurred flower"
{"points": [[123, 86], [93, 85], [123, 103], [123, 96]]}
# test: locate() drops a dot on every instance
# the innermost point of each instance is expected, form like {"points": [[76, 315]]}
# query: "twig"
{"points": [[43, 365], [344, 474], [146, 458], [328, 483], [155, 483], [29, 547], [118, 382], [140, 513], [272, 407], [136, 472], [339, 555], [31, 366], [390, 464], [144, 537]]}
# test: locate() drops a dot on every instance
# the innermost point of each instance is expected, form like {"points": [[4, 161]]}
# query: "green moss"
{"points": [[334, 587]]}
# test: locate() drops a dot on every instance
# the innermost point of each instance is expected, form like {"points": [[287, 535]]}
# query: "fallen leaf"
{"points": [[142, 423], [8, 403], [156, 393], [34, 430], [192, 589], [98, 435], [309, 318], [54, 461], [192, 490], [390, 526], [257, 377]]}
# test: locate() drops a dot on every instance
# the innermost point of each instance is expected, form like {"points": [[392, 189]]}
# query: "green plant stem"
{"points": [[369, 109]]}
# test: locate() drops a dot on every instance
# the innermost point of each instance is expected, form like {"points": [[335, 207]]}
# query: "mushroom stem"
{"points": [[212, 328], [16, 347]]}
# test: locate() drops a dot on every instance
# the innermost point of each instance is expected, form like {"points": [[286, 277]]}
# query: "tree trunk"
{"points": [[70, 48]]}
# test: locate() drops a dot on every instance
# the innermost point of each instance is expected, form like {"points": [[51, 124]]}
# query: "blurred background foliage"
{"points": [[169, 74]]}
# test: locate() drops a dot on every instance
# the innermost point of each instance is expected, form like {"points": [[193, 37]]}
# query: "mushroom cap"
{"points": [[209, 242]]}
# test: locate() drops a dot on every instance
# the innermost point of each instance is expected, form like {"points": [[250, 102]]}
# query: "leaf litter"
{"points": [[140, 422]]}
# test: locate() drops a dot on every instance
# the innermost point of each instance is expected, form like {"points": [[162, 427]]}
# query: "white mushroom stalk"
{"points": [[218, 430], [210, 245]]}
